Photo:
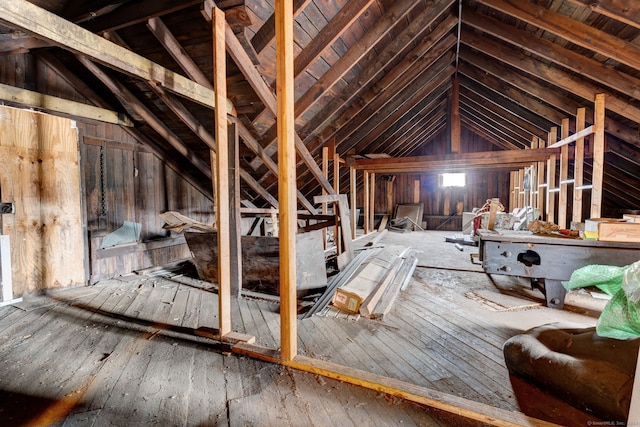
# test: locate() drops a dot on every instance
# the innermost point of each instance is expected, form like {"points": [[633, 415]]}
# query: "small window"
{"points": [[452, 180]]}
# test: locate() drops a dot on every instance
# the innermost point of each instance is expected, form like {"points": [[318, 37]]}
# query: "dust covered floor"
{"points": [[124, 352]]}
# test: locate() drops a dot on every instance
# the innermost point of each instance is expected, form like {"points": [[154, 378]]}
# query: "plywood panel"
{"points": [[39, 173]]}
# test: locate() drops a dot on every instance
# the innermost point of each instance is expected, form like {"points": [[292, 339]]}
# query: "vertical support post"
{"points": [[416, 191], [372, 202], [366, 202], [325, 173], [533, 177], [541, 183], [352, 187], [551, 177], [513, 194], [235, 230], [578, 168], [286, 177], [564, 175], [598, 157], [336, 165], [390, 195], [520, 179], [222, 164]]}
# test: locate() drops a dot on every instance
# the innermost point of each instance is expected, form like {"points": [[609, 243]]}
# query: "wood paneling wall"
{"points": [[39, 173], [124, 182], [134, 185]]}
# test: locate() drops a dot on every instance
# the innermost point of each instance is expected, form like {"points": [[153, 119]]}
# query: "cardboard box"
{"points": [[619, 232], [346, 301]]}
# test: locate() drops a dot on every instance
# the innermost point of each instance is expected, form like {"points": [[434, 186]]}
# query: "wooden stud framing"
{"points": [[286, 177], [352, 187], [533, 177], [222, 174], [325, 173], [598, 157], [416, 191], [235, 229], [513, 199], [366, 201], [541, 183], [372, 201], [564, 175], [578, 168], [72, 37], [551, 177]]}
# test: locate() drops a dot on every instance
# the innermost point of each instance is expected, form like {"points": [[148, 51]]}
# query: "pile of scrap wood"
{"points": [[371, 282]]}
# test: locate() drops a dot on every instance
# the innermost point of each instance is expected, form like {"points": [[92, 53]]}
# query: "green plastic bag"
{"points": [[620, 318]]}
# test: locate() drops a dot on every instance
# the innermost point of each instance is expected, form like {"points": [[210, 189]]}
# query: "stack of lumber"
{"points": [[374, 287]]}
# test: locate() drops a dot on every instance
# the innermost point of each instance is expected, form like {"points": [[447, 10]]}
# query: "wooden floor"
{"points": [[124, 352]]}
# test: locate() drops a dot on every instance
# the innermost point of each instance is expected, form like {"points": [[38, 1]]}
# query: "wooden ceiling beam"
{"points": [[389, 115], [620, 10], [402, 89], [483, 76], [268, 98], [46, 25], [429, 105], [341, 21], [128, 98], [267, 33], [498, 130], [568, 59], [515, 121], [59, 106], [473, 127], [411, 122], [507, 79], [498, 158], [519, 137], [430, 45], [381, 93], [552, 75], [171, 44], [501, 132], [136, 12], [177, 52], [423, 134], [433, 132], [571, 30]]}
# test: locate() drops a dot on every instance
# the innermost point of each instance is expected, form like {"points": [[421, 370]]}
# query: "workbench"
{"points": [[548, 259]]}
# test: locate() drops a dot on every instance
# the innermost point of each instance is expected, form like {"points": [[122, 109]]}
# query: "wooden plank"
{"points": [[221, 181], [40, 175], [164, 36], [48, 26], [353, 185], [634, 410], [235, 217], [578, 168], [564, 175], [267, 33], [372, 201], [424, 396], [286, 177], [551, 177], [541, 182], [598, 156], [340, 23], [52, 104], [366, 202]]}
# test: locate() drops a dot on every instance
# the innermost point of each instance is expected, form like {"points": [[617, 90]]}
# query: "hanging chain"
{"points": [[103, 184]]}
